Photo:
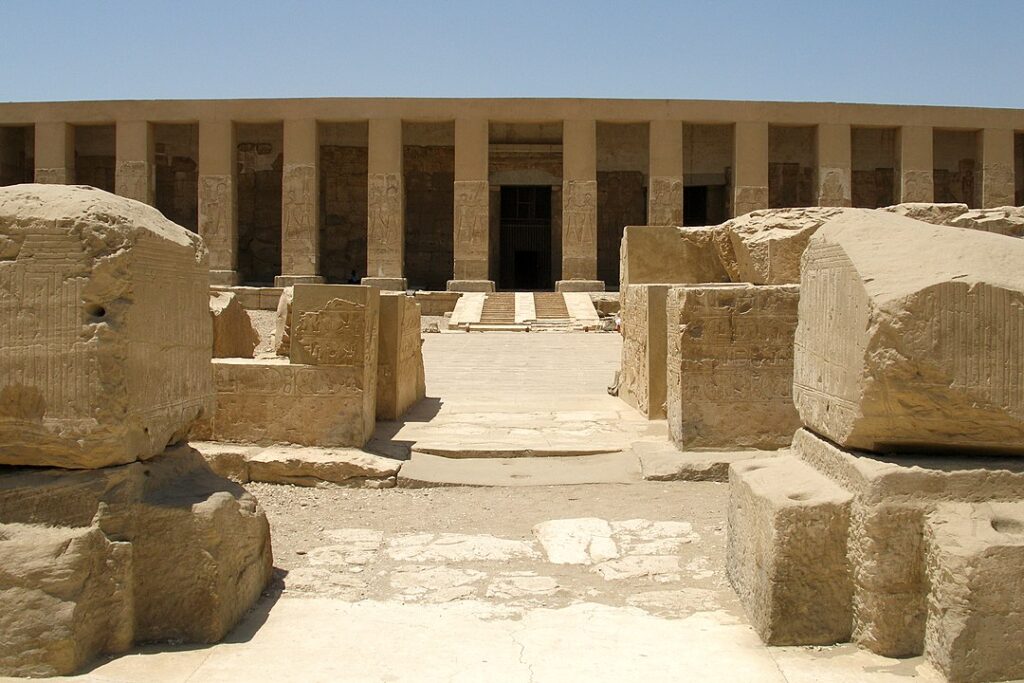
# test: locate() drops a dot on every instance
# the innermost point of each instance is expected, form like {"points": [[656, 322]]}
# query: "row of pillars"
{"points": [[300, 218]]}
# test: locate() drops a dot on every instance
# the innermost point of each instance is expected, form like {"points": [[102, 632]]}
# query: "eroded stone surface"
{"points": [[576, 541], [233, 333], [666, 254], [283, 322], [104, 334], [896, 358], [400, 373], [456, 548]]}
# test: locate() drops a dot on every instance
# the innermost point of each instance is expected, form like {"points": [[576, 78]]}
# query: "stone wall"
{"points": [[621, 201], [94, 156], [956, 167], [429, 212], [343, 208], [791, 166], [259, 159], [873, 156], [642, 377], [176, 159]]}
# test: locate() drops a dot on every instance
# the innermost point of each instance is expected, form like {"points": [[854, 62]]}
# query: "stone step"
{"points": [[499, 308], [662, 461], [425, 471], [550, 305], [461, 451]]}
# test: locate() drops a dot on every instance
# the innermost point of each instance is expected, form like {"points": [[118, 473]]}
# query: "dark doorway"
{"points": [[525, 244], [704, 204]]}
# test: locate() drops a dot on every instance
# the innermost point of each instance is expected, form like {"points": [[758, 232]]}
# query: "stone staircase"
{"points": [[499, 309], [550, 306]]}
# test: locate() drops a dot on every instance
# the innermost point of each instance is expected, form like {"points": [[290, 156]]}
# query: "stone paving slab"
{"points": [[424, 470], [662, 461]]}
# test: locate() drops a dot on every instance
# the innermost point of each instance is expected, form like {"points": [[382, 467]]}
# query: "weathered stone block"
{"points": [[400, 372], [975, 607], [665, 254], [470, 286], [765, 246], [336, 325], [105, 337], [283, 322], [274, 401], [893, 358], [579, 286], [787, 551], [192, 554], [233, 333], [642, 381], [437, 303], [387, 284], [730, 366]]}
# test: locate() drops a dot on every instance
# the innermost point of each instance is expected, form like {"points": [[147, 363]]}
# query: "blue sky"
{"points": [[894, 51]]}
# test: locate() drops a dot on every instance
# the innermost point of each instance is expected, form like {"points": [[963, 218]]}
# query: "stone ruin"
{"points": [[892, 343], [112, 531], [897, 520]]}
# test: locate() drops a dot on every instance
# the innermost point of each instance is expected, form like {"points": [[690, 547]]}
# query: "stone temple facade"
{"points": [[522, 193]]}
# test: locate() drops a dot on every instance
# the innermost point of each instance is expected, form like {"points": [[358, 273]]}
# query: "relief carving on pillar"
{"points": [[216, 219], [472, 201], [299, 237], [997, 184], [666, 201], [834, 187], [131, 180], [580, 219], [384, 230], [52, 176], [749, 198], [918, 186]]}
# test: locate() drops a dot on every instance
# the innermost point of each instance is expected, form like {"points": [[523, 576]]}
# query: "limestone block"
{"points": [[730, 365], [975, 606], [336, 325], [579, 286], [387, 284], [1006, 220], [105, 337], [65, 598], [486, 286], [191, 556], [437, 303], [233, 333], [283, 322], [644, 334], [666, 254], [606, 304], [273, 401], [308, 466], [766, 245], [892, 358], [928, 212], [786, 552], [399, 356]]}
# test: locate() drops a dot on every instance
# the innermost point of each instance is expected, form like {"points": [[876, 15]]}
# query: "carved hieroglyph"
{"points": [[132, 179], [53, 176], [997, 186], [894, 358], [334, 334], [834, 187], [472, 199], [217, 220], [747, 198], [299, 232], [579, 230], [730, 365], [917, 186], [666, 201], [105, 335], [385, 230]]}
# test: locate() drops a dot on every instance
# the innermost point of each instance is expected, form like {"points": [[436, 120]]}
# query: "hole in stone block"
{"points": [[800, 495], [96, 311], [1014, 527]]}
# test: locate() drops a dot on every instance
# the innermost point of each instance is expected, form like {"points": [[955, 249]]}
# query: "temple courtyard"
{"points": [[608, 581]]}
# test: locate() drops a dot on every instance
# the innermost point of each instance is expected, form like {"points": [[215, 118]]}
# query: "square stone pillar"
{"points": [[749, 168], [300, 205], [385, 230], [916, 182], [55, 153], [472, 203], [218, 199], [995, 147], [134, 173], [835, 175], [665, 182], [579, 200]]}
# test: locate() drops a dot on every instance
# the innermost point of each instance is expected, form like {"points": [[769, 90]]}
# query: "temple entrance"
{"points": [[525, 238]]}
